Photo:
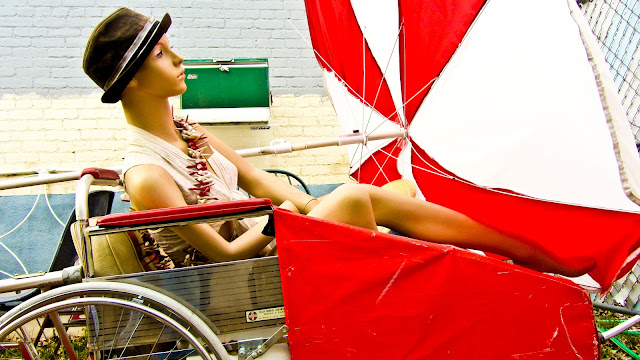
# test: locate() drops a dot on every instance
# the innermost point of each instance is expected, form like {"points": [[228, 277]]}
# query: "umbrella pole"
{"points": [[280, 146]]}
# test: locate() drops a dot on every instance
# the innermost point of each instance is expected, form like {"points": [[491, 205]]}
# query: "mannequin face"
{"points": [[162, 74]]}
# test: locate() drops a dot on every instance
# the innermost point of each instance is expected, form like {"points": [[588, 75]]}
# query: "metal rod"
{"points": [[34, 171], [62, 335], [68, 275], [38, 180], [620, 328], [357, 138], [44, 179], [616, 309]]}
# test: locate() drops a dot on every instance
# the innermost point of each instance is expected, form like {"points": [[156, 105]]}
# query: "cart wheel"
{"points": [[104, 320]]}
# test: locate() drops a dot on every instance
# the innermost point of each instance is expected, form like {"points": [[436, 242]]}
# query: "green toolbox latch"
{"points": [[228, 91]]}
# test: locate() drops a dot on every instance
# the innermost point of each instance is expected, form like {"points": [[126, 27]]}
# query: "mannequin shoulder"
{"points": [[150, 186]]}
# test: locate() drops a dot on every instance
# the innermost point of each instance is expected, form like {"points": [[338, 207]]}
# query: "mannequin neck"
{"points": [[152, 114]]}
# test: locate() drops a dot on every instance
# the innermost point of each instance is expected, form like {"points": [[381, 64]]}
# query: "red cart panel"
{"points": [[351, 293]]}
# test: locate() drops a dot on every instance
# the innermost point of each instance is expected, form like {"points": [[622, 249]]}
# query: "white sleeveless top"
{"points": [[197, 184]]}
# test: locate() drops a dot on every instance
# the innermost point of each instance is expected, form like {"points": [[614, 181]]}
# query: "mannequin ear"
{"points": [[130, 87], [133, 82]]}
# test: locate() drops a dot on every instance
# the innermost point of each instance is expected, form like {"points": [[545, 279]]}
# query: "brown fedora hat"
{"points": [[117, 48]]}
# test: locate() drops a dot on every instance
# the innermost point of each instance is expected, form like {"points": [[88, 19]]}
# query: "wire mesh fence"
{"points": [[616, 24]]}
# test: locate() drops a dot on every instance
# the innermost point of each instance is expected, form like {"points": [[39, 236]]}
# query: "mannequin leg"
{"points": [[368, 206]]}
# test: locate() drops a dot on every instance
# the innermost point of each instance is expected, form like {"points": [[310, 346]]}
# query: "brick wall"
{"points": [[51, 116]]}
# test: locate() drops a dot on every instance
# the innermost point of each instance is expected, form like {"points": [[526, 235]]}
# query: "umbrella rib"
{"points": [[381, 168], [361, 98], [403, 105], [355, 155], [404, 70], [364, 77], [384, 76], [331, 69], [434, 171]]}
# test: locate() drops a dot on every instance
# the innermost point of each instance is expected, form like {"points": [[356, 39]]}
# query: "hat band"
{"points": [[131, 52]]}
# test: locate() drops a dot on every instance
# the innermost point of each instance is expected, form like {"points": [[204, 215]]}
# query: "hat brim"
{"points": [[114, 92]]}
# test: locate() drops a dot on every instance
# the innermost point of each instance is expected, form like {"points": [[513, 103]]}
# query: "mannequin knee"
{"points": [[352, 196], [348, 204]]}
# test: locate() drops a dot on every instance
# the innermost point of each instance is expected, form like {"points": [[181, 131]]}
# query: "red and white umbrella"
{"points": [[510, 115]]}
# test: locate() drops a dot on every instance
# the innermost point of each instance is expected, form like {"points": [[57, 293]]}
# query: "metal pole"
{"points": [[286, 147], [45, 179], [72, 274], [620, 327]]}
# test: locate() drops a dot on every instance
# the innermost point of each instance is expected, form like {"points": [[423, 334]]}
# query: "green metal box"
{"points": [[230, 91]]}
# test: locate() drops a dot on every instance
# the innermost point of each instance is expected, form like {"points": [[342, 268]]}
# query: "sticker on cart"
{"points": [[265, 314]]}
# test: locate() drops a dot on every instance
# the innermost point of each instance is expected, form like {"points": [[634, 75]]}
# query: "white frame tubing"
{"points": [[347, 139], [45, 179]]}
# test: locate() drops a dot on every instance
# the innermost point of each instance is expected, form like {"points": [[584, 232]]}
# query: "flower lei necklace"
{"points": [[202, 177]]}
